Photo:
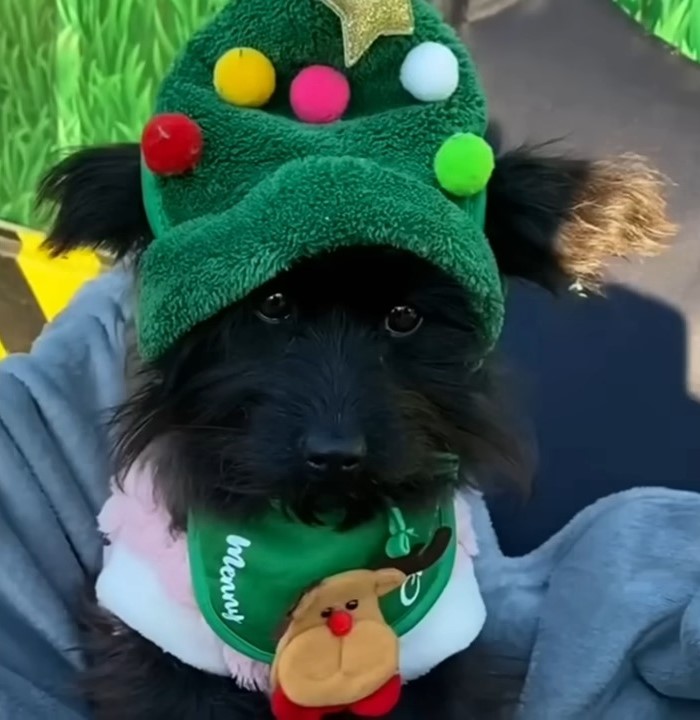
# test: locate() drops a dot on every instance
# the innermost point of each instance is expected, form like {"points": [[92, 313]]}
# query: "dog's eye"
{"points": [[403, 320], [351, 605], [327, 613], [274, 308]]}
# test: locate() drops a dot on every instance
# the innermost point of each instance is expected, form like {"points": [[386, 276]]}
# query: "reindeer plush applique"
{"points": [[337, 652]]}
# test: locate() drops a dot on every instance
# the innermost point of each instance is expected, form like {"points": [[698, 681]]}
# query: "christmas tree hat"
{"points": [[288, 128]]}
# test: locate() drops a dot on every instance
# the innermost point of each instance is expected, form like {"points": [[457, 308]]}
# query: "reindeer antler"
{"points": [[423, 556]]}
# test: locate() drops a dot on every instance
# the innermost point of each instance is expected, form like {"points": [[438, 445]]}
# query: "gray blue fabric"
{"points": [[53, 471], [607, 612]]}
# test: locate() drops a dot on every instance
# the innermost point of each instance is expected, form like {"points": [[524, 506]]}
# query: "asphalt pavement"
{"points": [[612, 386]]}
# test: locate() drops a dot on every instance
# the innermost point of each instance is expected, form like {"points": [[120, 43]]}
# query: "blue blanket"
{"points": [[606, 613]]}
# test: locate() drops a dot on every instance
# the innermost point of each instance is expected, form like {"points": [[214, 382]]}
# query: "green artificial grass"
{"points": [[27, 38], [676, 22], [79, 72]]}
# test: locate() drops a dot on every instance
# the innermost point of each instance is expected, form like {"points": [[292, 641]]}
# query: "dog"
{"points": [[331, 388]]}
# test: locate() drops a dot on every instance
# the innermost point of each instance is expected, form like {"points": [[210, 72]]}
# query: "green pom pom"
{"points": [[464, 164]]}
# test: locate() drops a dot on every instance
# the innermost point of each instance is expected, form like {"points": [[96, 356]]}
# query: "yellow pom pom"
{"points": [[245, 77]]}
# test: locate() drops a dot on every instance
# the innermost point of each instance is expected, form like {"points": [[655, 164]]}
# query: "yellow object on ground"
{"points": [[34, 288]]}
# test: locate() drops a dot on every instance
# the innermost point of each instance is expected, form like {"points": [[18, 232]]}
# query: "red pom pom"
{"points": [[172, 144]]}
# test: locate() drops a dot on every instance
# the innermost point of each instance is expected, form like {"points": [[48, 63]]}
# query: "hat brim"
{"points": [[308, 207]]}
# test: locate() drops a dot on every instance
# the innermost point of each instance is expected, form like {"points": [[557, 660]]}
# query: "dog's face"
{"points": [[332, 388]]}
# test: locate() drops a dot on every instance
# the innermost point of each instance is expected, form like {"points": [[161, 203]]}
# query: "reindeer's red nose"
{"points": [[340, 623]]}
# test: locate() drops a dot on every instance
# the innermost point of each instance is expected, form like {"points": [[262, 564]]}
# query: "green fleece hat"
{"points": [[292, 127]]}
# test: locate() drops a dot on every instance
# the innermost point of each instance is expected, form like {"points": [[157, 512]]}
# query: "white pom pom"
{"points": [[430, 72]]}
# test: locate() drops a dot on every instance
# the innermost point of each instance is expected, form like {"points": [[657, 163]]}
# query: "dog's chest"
{"points": [[147, 583]]}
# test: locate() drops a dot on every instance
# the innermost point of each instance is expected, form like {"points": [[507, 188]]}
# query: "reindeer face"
{"points": [[345, 600], [338, 648], [341, 613]]}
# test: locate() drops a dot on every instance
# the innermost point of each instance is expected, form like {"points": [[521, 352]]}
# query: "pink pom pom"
{"points": [[320, 94]]}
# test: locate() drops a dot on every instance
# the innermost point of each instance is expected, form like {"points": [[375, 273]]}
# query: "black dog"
{"points": [[332, 387]]}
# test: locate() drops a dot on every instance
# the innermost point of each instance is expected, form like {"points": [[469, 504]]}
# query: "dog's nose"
{"points": [[334, 453]]}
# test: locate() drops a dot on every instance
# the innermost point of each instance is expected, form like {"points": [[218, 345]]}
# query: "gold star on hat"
{"points": [[365, 21]]}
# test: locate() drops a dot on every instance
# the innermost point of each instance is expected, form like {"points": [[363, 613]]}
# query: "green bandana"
{"points": [[248, 576]]}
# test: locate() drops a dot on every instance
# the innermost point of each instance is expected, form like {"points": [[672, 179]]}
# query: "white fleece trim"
{"points": [[129, 588], [451, 625]]}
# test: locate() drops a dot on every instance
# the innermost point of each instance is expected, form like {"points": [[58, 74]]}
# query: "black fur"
{"points": [[97, 192], [230, 408], [228, 412], [531, 195]]}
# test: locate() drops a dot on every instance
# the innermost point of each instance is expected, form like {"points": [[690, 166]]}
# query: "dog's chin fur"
{"points": [[225, 414]]}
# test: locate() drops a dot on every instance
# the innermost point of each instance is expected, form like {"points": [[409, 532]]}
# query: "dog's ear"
{"points": [[555, 220], [96, 193]]}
